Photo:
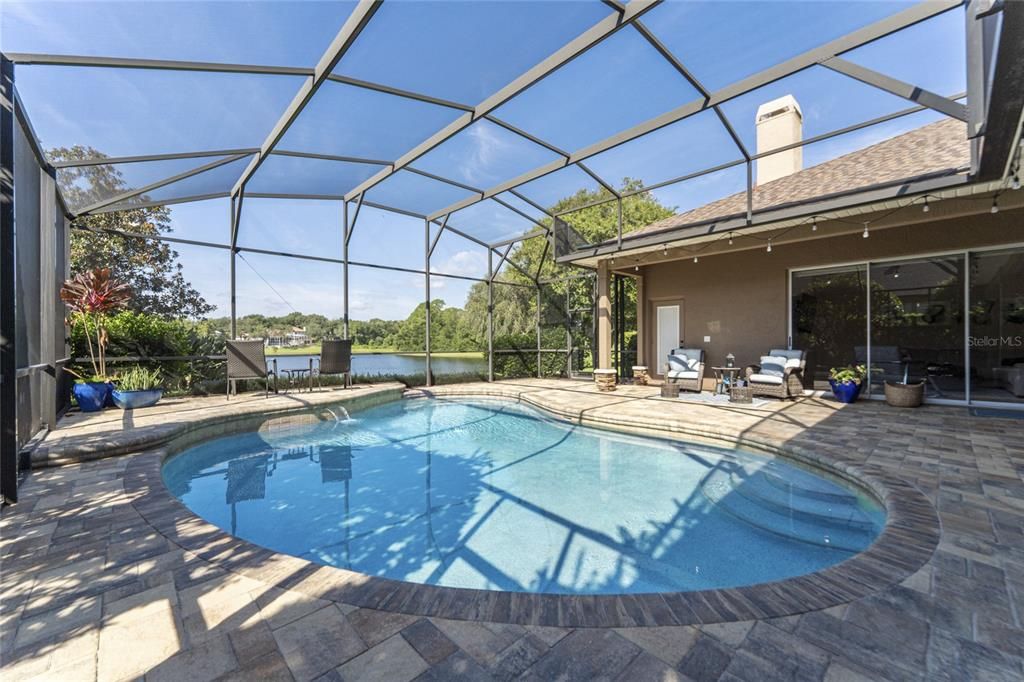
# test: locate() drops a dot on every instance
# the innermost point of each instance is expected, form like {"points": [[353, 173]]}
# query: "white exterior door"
{"points": [[669, 325]]}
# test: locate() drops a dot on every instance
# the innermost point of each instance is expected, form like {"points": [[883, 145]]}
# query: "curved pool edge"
{"points": [[906, 543]]}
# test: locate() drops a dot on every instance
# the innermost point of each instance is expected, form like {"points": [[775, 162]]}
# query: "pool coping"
{"points": [[906, 543]]}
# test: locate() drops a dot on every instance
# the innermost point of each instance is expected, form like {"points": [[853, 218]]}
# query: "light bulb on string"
{"points": [[694, 259], [995, 204], [769, 246], [865, 234], [926, 207], [730, 239], [1015, 183], [814, 225]]}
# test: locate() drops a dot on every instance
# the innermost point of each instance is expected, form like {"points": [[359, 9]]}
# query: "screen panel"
{"points": [[617, 84], [140, 111]]}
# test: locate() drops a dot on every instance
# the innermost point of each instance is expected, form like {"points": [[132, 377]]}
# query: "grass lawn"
{"points": [[314, 349]]}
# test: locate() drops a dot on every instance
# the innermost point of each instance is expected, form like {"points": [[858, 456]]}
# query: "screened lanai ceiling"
{"points": [[480, 116]]}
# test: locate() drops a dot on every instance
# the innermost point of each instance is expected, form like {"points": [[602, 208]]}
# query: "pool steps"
{"points": [[794, 511]]}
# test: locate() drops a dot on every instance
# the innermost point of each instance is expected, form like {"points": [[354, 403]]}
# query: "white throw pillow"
{"points": [[773, 365], [678, 363]]}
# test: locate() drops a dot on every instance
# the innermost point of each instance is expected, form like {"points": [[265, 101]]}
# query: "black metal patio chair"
{"points": [[248, 360], [335, 358]]}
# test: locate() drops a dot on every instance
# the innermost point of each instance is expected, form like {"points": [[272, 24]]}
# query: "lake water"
{"points": [[391, 364]]}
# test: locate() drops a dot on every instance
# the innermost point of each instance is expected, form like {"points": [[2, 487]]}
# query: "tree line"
{"points": [[154, 271]]}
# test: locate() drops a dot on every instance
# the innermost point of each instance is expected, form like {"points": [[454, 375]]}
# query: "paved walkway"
{"points": [[92, 590]]}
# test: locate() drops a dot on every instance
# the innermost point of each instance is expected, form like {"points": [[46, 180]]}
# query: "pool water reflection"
{"points": [[494, 495]]}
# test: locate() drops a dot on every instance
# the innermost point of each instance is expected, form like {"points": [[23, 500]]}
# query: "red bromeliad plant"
{"points": [[91, 296]]}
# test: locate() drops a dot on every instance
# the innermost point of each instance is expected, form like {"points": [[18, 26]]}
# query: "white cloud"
{"points": [[465, 263]]}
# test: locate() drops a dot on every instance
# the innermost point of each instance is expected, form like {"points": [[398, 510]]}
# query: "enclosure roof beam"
{"points": [[350, 228], [109, 160], [165, 202], [898, 88], [754, 157], [592, 36], [399, 92], [156, 185], [678, 65], [901, 20], [344, 40], [330, 157], [40, 59], [531, 202]]}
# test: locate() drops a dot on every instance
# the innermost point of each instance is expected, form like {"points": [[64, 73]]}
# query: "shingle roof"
{"points": [[930, 149]]}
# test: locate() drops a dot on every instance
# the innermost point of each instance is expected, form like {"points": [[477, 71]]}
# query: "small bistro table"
{"points": [[725, 377]]}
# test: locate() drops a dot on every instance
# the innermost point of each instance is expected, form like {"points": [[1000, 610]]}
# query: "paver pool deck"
{"points": [[105, 576]]}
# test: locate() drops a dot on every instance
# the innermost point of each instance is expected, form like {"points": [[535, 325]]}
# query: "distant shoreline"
{"points": [[315, 350]]}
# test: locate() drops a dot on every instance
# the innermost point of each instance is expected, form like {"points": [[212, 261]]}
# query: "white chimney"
{"points": [[779, 123]]}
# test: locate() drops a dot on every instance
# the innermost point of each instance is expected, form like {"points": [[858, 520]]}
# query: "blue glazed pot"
{"points": [[845, 393], [91, 396], [132, 400]]}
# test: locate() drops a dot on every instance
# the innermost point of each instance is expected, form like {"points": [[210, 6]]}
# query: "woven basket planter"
{"points": [[904, 395]]}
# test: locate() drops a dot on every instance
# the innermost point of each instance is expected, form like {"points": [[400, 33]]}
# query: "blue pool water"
{"points": [[494, 495]]}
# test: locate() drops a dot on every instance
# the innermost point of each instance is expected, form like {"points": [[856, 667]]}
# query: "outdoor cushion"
{"points": [[793, 362], [786, 353], [678, 362], [766, 379], [773, 365], [694, 356], [685, 374]]}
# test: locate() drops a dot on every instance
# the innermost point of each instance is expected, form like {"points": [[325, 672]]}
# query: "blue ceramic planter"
{"points": [[91, 396], [131, 400], [844, 393]]}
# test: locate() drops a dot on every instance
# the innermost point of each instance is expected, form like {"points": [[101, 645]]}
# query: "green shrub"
{"points": [[523, 362], [145, 335]]}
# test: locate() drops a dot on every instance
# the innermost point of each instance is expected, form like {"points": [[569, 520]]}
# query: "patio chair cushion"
{"points": [[789, 354], [766, 379], [681, 362], [682, 374], [773, 365]]}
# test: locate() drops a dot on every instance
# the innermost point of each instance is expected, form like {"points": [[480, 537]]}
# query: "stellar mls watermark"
{"points": [[995, 341]]}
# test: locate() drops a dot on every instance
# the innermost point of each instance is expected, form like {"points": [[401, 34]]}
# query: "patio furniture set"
{"points": [[779, 375], [248, 360]]}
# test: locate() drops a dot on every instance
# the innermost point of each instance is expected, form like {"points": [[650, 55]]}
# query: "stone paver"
{"points": [[103, 579]]}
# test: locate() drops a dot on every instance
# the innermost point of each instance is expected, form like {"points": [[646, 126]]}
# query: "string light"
{"points": [[865, 234], [995, 204], [636, 268], [814, 225], [694, 259], [1015, 184], [730, 239], [926, 207], [613, 261], [769, 246], [664, 249]]}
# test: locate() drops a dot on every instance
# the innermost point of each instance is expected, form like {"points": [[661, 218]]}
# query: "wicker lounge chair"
{"points": [[788, 385], [248, 360], [335, 358], [690, 378]]}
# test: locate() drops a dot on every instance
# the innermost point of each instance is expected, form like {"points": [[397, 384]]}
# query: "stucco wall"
{"points": [[740, 299]]}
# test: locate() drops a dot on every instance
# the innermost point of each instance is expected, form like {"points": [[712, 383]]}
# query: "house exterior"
{"points": [[894, 256]]}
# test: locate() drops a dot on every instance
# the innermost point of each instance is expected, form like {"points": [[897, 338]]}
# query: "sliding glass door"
{"points": [[954, 322], [917, 325], [997, 326], [829, 319]]}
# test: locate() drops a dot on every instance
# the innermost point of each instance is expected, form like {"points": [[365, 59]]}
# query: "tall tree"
{"points": [[152, 268], [515, 306]]}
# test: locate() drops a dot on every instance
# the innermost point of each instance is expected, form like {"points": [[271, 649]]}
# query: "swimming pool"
{"points": [[495, 495]]}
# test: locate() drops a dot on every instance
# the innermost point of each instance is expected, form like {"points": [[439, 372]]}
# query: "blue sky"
{"points": [[460, 51]]}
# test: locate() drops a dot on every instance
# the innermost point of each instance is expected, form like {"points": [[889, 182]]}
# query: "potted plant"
{"points": [[846, 382], [91, 296], [138, 387]]}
